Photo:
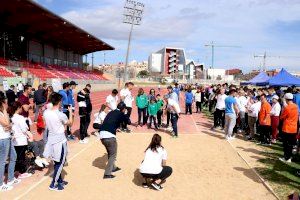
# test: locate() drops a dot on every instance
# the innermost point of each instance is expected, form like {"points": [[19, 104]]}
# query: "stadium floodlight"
{"points": [[133, 14]]}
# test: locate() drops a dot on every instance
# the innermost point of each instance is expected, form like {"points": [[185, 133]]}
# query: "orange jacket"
{"points": [[289, 116], [264, 113]]}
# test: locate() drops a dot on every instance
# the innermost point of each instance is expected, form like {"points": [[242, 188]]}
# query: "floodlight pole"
{"points": [[134, 15], [128, 49]]}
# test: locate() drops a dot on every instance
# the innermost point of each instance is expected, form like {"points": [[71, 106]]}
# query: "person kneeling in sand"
{"points": [[153, 167]]}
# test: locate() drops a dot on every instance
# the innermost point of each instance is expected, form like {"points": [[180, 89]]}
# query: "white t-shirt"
{"points": [[275, 111], [20, 87], [254, 109], [3, 134], [221, 101], [112, 102], [197, 97], [152, 163], [99, 117], [128, 97], [242, 103], [173, 106], [19, 129], [55, 122]]}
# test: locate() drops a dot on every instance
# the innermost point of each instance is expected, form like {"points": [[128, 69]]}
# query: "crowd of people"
{"points": [[24, 149], [264, 114]]}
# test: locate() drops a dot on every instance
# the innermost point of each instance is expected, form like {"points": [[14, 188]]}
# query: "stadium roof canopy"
{"points": [[28, 18]]}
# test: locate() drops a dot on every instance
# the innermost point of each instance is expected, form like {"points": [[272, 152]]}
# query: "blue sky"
{"points": [[255, 25]]}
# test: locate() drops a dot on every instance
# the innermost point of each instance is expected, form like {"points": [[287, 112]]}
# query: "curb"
{"points": [[264, 182]]}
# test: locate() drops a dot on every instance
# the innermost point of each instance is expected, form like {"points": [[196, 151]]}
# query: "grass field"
{"points": [[281, 176]]}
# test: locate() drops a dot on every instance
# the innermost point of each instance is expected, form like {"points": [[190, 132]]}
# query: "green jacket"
{"points": [[152, 109], [160, 104], [141, 101]]}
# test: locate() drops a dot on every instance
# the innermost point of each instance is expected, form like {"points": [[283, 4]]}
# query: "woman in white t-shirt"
{"points": [[153, 167], [6, 148], [21, 135]]}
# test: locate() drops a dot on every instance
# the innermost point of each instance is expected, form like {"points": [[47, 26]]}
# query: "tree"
{"points": [[143, 74]]}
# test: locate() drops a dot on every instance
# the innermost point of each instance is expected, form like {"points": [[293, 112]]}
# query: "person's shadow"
{"points": [[100, 162], [137, 178]]}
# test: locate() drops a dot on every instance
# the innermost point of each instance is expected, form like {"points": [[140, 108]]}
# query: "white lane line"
{"points": [[47, 177]]}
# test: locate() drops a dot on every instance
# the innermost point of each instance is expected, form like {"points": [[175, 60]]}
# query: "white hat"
{"points": [[289, 96], [275, 97]]}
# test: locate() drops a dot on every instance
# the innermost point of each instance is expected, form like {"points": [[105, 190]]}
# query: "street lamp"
{"points": [[133, 13]]}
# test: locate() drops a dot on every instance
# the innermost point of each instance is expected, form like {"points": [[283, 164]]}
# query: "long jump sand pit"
{"points": [[204, 167]]}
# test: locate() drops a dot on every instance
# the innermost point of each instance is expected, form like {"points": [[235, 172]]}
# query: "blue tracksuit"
{"points": [[71, 98], [65, 100]]}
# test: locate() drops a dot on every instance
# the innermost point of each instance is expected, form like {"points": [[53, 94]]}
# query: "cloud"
{"points": [[256, 25]]}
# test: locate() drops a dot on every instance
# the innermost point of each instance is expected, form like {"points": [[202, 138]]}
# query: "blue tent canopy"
{"points": [[283, 78], [261, 79]]}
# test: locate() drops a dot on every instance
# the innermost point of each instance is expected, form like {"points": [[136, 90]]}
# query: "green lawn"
{"points": [[281, 176]]}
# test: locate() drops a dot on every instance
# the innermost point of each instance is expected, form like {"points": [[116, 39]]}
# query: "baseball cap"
{"points": [[73, 83], [289, 96], [275, 97]]}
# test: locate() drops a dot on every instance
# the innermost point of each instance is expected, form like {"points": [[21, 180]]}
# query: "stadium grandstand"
{"points": [[38, 44]]}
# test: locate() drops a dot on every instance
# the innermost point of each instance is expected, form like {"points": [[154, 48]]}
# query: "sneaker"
{"points": [[284, 160], [64, 183], [45, 162], [57, 188], [70, 137], [156, 186], [5, 187], [86, 139], [82, 141], [108, 176], [116, 169], [127, 130], [24, 175], [15, 181], [39, 162], [145, 185]]}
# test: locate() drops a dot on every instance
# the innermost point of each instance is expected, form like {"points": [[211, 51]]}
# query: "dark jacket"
{"points": [[39, 96], [89, 106], [113, 121], [11, 96], [82, 109]]}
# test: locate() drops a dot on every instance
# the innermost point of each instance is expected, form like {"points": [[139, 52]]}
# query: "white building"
{"points": [[169, 61]]}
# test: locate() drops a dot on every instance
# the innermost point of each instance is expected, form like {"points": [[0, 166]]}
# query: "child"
{"points": [[99, 118], [21, 135], [160, 104], [142, 103], [152, 111]]}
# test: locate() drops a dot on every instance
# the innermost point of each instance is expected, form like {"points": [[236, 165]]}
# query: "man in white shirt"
{"points": [[219, 114], [20, 88], [253, 111], [275, 113], [127, 98], [112, 100], [56, 146]]}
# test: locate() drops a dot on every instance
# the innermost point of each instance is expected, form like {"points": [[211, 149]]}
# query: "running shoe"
{"points": [[82, 141], [24, 175], [108, 176], [156, 186], [57, 188], [64, 183], [39, 162], [145, 185], [45, 162], [116, 169], [284, 160], [5, 187], [15, 181], [70, 137]]}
